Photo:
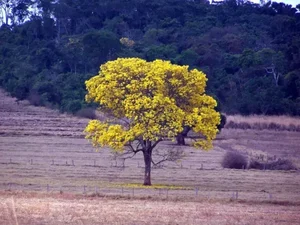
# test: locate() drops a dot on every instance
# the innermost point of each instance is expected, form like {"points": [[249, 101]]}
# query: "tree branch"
{"points": [[130, 153], [133, 150], [171, 155], [155, 143]]}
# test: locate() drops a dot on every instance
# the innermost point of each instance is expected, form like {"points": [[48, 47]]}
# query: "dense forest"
{"points": [[250, 52]]}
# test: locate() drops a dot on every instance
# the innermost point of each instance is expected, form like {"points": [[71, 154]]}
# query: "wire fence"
{"points": [[118, 163], [191, 193], [113, 189]]}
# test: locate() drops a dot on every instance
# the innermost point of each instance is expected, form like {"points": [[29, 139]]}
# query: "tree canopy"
{"points": [[155, 100]]}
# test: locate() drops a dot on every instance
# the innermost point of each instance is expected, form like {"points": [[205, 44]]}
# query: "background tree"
{"points": [[155, 100], [250, 52]]}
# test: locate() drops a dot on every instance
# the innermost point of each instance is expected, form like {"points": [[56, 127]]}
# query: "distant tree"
{"points": [[181, 136], [155, 100], [5, 10], [244, 48]]}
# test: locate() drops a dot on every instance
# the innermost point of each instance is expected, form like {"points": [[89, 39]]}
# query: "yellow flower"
{"points": [[157, 98]]}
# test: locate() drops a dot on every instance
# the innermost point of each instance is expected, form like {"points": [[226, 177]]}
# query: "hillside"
{"points": [[250, 52], [19, 118]]}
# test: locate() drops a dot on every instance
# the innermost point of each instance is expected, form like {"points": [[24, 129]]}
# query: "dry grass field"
{"points": [[261, 122], [50, 175], [33, 208]]}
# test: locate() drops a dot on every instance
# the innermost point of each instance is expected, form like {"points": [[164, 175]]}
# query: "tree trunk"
{"points": [[148, 160], [180, 137]]}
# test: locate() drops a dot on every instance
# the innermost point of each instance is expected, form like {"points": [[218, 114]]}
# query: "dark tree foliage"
{"points": [[250, 52]]}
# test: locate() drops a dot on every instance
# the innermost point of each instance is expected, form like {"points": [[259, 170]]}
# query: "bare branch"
{"points": [[141, 142], [124, 155], [171, 155], [125, 121], [129, 153], [276, 75], [133, 148], [269, 69], [138, 145], [154, 145]]}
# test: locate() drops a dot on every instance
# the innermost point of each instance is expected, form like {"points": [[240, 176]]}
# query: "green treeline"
{"points": [[250, 52]]}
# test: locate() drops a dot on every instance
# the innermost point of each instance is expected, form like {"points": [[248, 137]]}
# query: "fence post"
{"points": [[167, 193], [132, 192], [94, 162], [73, 163], [83, 189], [236, 195], [196, 191], [47, 187], [270, 196]]}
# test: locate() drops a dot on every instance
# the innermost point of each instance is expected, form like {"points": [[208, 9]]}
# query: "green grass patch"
{"points": [[154, 186], [42, 182]]}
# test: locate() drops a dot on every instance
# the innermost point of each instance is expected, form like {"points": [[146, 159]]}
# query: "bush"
{"points": [[71, 106], [234, 160], [281, 164], [88, 113], [34, 99]]}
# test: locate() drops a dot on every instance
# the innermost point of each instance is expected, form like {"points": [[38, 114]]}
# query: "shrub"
{"points": [[281, 164], [34, 99], [88, 113], [274, 126], [232, 125], [256, 165], [71, 106], [234, 160]]}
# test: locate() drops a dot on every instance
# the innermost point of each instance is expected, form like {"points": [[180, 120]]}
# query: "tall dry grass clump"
{"points": [[238, 160], [280, 164], [262, 122]]}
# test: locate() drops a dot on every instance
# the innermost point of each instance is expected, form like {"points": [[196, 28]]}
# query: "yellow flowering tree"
{"points": [[155, 100]]}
